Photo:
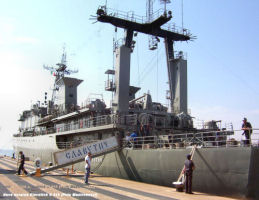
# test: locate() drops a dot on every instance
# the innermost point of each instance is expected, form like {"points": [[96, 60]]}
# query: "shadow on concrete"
{"points": [[63, 175], [6, 171], [105, 185]]}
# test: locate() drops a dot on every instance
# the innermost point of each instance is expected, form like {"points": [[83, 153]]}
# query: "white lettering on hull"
{"points": [[78, 153]]}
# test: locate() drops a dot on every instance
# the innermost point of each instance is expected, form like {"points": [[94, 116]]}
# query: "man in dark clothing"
{"points": [[21, 166], [188, 169], [247, 127]]}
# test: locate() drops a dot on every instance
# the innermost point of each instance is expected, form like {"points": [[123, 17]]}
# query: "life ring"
{"points": [[37, 163]]}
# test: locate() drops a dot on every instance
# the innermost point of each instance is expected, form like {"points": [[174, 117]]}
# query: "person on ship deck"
{"points": [[247, 127]]}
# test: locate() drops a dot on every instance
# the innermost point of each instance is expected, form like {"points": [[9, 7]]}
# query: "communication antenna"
{"points": [[61, 70], [182, 14], [64, 56], [165, 2], [152, 41]]}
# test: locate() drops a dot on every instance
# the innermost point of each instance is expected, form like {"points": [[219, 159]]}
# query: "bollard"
{"points": [[72, 170], [38, 172]]}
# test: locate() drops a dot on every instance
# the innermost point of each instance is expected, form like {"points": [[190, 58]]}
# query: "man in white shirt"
{"points": [[88, 159]]}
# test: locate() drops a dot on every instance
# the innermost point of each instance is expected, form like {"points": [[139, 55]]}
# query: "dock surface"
{"points": [[57, 185]]}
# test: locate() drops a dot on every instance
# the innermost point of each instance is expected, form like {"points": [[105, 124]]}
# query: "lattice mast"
{"points": [[165, 2], [152, 41], [59, 72]]}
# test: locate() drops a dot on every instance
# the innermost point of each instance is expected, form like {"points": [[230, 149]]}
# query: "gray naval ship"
{"points": [[164, 135]]}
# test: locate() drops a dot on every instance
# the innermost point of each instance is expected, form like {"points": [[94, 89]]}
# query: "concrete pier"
{"points": [[57, 185]]}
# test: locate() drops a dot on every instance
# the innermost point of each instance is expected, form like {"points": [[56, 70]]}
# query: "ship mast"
{"points": [[59, 72], [153, 28], [152, 40]]}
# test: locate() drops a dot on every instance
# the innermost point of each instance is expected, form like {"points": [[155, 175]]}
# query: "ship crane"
{"points": [[154, 28]]}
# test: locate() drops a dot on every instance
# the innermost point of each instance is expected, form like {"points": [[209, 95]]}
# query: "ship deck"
{"points": [[57, 185]]}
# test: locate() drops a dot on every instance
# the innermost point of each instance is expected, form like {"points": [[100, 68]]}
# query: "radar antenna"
{"points": [[61, 70]]}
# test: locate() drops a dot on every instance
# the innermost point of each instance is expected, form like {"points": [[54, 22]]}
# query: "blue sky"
{"points": [[222, 62]]}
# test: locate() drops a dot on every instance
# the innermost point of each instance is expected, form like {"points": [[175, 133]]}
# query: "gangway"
{"points": [[77, 154]]}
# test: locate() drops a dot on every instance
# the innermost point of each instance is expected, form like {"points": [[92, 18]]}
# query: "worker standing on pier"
{"points": [[247, 127], [88, 159], [21, 161], [188, 169]]}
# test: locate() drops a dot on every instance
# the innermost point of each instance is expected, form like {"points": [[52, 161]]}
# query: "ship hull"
{"points": [[224, 171], [41, 147]]}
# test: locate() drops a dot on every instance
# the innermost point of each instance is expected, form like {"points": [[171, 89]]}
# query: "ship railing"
{"points": [[210, 139], [87, 123], [129, 120], [131, 16], [176, 29], [201, 124], [44, 131], [72, 144], [252, 138]]}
